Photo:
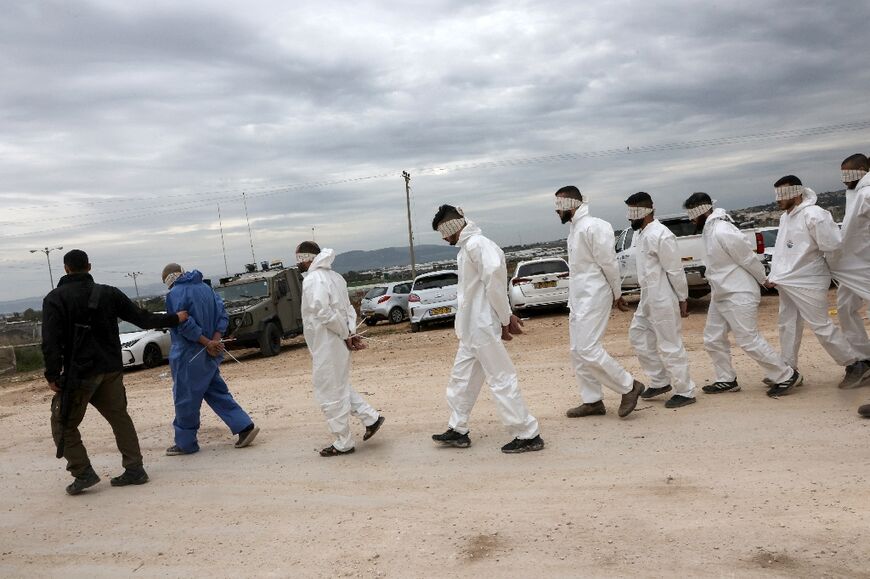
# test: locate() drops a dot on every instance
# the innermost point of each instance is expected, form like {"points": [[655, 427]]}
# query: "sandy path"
{"points": [[736, 485]]}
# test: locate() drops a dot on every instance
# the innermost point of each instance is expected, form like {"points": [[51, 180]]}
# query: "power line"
{"points": [[681, 145]]}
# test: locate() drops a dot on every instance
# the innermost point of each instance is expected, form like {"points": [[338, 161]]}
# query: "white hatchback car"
{"points": [[148, 348], [539, 283], [386, 302], [433, 298]]}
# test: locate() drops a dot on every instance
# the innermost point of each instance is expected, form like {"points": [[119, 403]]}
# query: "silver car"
{"points": [[539, 283], [433, 298], [386, 302]]}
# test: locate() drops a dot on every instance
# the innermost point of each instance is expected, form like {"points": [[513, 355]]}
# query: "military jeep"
{"points": [[264, 307]]}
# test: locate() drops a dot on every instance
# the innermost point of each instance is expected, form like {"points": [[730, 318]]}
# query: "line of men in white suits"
{"points": [[810, 250]]}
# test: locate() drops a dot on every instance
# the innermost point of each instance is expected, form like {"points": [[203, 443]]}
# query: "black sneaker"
{"points": [[677, 400], [719, 387], [84, 481], [784, 388], [864, 410], [651, 392], [136, 476], [518, 445], [857, 374], [247, 436], [452, 438]]}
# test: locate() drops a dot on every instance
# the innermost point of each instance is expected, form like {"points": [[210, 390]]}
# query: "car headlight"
{"points": [[130, 343]]}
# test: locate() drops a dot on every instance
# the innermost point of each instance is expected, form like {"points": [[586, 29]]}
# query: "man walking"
{"points": [[655, 328], [735, 275], [483, 320], [850, 265], [195, 358], [329, 325], [594, 287], [800, 274], [83, 365]]}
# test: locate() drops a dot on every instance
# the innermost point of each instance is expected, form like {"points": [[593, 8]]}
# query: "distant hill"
{"points": [[391, 257], [765, 215]]}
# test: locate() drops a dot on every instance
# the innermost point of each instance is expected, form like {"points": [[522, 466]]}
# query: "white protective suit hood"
{"points": [[733, 267], [805, 235], [325, 304], [851, 264], [483, 306]]}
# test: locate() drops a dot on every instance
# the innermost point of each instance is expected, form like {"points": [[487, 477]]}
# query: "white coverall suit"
{"points": [[655, 329], [593, 286], [328, 319], [802, 278], [483, 309], [735, 273], [850, 266]]}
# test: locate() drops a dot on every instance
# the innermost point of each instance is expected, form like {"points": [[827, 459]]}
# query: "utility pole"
{"points": [[134, 275], [46, 251], [407, 177], [250, 235], [223, 245]]}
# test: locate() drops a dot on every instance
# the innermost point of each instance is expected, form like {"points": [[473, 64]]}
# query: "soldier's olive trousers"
{"points": [[106, 392]]}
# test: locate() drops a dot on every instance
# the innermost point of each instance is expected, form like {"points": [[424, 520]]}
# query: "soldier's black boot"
{"points": [[85, 480], [131, 476]]}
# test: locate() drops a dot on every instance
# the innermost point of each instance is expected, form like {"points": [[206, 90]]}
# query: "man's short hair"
{"points": [[170, 268], [445, 213], [640, 199], [76, 260], [570, 191], [787, 181], [857, 161], [697, 199], [308, 247]]}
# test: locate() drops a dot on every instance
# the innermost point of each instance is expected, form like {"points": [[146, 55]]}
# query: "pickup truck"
{"points": [[691, 249]]}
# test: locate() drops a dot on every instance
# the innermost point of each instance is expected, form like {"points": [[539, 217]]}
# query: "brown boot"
{"points": [[629, 399], [594, 409]]}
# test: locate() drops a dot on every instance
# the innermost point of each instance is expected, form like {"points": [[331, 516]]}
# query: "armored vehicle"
{"points": [[264, 306]]}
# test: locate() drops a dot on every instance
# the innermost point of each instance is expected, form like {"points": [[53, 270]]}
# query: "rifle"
{"points": [[70, 379]]}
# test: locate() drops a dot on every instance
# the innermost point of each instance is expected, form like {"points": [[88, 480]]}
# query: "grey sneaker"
{"points": [[857, 374]]}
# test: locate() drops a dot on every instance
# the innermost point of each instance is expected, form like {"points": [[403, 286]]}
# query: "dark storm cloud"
{"points": [[170, 108]]}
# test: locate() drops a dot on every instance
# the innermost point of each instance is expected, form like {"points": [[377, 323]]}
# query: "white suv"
{"points": [[433, 298], [539, 283]]}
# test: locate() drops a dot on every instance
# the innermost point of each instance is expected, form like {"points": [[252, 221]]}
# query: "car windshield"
{"points": [[376, 292], [127, 327], [436, 281], [244, 291], [769, 237], [542, 267]]}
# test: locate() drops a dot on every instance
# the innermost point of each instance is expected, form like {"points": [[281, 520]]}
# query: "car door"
{"points": [[625, 256], [400, 295]]}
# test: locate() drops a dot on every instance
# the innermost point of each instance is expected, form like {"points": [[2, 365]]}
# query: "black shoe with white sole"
{"points": [[247, 436], [719, 387], [785, 388], [678, 401], [518, 445], [452, 438]]}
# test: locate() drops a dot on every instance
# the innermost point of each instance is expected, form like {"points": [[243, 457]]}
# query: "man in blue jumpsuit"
{"points": [[196, 373]]}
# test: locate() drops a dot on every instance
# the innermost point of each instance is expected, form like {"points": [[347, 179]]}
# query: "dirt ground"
{"points": [[736, 485]]}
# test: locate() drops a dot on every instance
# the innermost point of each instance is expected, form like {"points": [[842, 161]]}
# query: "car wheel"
{"points": [[152, 356], [371, 322], [396, 315], [270, 340], [415, 327]]}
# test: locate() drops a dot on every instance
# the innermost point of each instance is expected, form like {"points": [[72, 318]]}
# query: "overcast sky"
{"points": [[124, 124]]}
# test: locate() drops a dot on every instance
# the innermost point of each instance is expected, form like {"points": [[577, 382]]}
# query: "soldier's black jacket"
{"points": [[100, 353]]}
